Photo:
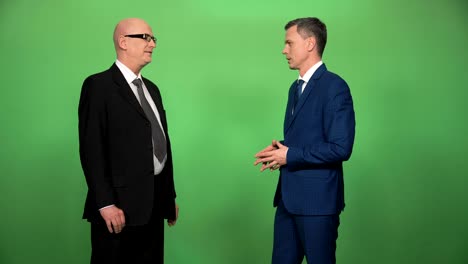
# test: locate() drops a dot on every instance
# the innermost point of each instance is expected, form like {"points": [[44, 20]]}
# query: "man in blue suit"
{"points": [[318, 136]]}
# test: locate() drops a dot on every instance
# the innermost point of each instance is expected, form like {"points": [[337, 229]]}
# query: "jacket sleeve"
{"points": [[92, 134], [338, 131]]}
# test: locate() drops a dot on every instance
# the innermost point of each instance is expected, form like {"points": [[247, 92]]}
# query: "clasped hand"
{"points": [[272, 157]]}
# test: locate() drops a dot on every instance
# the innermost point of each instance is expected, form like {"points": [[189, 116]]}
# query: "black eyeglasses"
{"points": [[146, 37]]}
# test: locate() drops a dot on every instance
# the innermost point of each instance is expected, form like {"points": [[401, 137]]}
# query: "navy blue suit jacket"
{"points": [[320, 136]]}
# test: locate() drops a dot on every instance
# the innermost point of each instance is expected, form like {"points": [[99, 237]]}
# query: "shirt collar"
{"points": [[127, 73], [310, 72]]}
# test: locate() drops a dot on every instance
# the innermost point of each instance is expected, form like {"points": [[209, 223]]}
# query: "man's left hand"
{"points": [[272, 158], [173, 222]]}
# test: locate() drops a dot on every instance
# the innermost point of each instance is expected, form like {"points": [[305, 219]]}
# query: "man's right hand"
{"points": [[114, 218], [268, 148]]}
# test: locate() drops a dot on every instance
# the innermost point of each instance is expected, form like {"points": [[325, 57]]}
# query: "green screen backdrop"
{"points": [[224, 83]]}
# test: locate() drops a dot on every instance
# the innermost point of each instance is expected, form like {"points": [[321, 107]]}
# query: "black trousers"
{"points": [[134, 245]]}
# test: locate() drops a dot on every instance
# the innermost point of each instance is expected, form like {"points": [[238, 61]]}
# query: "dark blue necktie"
{"points": [[297, 93]]}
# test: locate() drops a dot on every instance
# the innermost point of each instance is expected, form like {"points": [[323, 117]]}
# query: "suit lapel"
{"points": [[288, 116], [152, 89], [309, 87], [125, 90], [154, 95]]}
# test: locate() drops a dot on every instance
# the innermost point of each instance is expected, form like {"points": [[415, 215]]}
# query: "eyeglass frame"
{"points": [[144, 36]]}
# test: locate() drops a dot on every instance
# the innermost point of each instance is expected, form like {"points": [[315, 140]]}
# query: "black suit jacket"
{"points": [[116, 150]]}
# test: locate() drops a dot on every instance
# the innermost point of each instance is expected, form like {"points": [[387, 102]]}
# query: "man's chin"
{"points": [[291, 66]]}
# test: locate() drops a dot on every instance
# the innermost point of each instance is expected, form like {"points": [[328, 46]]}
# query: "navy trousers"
{"points": [[312, 236]]}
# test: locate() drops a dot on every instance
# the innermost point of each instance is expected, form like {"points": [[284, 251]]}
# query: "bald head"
{"points": [[128, 26], [134, 51]]}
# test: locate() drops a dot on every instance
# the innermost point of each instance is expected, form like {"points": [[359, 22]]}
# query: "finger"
{"points": [[263, 150], [122, 218], [271, 165], [117, 226], [267, 160], [264, 167], [109, 226], [277, 166], [261, 154], [256, 162], [279, 144], [260, 161], [266, 153], [269, 148], [268, 167], [270, 153]]}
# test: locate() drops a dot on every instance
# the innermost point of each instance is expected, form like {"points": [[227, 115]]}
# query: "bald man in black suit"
{"points": [[128, 170]]}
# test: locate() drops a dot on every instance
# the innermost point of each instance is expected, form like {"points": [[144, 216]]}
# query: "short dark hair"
{"points": [[311, 27]]}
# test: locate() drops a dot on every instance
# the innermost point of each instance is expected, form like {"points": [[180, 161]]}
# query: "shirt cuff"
{"points": [[106, 207]]}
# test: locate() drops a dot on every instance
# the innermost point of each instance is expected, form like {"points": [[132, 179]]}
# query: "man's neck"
{"points": [[134, 68], [309, 65]]}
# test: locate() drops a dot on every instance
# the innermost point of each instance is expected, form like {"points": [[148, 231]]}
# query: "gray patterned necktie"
{"points": [[159, 141]]}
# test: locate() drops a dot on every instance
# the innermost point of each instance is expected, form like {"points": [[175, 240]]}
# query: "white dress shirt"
{"points": [[309, 74], [130, 77]]}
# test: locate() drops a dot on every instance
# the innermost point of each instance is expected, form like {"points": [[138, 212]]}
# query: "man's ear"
{"points": [[311, 43], [122, 42]]}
